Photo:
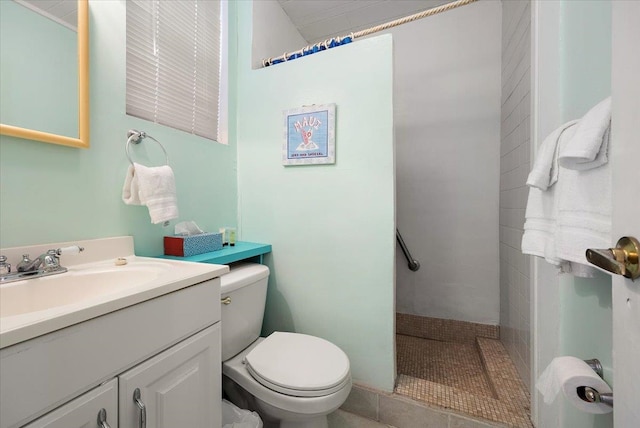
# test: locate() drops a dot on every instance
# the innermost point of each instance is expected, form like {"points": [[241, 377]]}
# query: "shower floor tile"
{"points": [[453, 364], [478, 380]]}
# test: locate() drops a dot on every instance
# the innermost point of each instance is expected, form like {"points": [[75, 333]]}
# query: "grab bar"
{"points": [[414, 265]]}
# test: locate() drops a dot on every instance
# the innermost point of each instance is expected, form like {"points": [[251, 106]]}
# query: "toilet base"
{"points": [[271, 417], [284, 419]]}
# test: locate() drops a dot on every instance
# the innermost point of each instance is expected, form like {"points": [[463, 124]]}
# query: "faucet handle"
{"points": [[24, 264], [73, 249], [4, 266], [50, 261]]}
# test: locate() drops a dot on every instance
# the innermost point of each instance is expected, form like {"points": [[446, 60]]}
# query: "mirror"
{"points": [[31, 67]]}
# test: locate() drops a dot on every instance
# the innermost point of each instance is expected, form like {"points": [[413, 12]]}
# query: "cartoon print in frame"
{"points": [[309, 135]]}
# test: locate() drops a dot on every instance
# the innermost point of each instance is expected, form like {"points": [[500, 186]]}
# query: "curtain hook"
{"points": [[284, 55]]}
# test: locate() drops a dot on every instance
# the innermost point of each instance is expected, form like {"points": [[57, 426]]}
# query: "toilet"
{"points": [[292, 380]]}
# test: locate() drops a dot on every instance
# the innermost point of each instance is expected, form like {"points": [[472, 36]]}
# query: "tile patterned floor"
{"points": [[457, 365], [443, 329], [477, 379]]}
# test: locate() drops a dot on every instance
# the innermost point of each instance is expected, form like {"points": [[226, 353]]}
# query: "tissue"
{"points": [[187, 228], [566, 374]]}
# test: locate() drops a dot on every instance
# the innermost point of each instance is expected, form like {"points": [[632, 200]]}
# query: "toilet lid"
{"points": [[299, 365]]}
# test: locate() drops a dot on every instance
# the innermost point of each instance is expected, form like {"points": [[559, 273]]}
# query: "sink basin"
{"points": [[76, 285], [36, 306]]}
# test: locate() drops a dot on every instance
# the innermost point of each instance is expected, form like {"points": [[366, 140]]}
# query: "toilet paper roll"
{"points": [[567, 374]]}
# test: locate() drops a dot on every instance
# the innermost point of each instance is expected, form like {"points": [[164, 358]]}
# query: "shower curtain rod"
{"points": [[337, 41]]}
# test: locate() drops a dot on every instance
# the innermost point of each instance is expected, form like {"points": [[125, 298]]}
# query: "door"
{"points": [[96, 408], [179, 387], [625, 158]]}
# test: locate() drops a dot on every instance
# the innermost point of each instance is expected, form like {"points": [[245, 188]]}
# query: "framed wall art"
{"points": [[309, 135]]}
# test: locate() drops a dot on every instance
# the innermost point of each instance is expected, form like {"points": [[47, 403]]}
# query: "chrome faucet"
{"points": [[46, 264]]}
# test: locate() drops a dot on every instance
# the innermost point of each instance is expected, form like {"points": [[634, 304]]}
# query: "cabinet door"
{"points": [[83, 412], [179, 387]]}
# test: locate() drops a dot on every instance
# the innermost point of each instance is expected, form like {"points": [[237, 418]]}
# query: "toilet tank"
{"points": [[244, 289]]}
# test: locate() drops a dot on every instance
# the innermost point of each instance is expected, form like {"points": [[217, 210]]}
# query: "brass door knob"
{"points": [[621, 260]]}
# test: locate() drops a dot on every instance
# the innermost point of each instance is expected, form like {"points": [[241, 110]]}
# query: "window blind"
{"points": [[174, 64]]}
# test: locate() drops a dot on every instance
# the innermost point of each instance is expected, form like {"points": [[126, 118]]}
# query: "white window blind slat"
{"points": [[174, 64]]}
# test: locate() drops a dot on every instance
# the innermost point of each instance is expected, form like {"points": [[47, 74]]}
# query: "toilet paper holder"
{"points": [[596, 366], [589, 394]]}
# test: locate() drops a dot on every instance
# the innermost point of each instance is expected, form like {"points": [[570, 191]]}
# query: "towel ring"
{"points": [[136, 137]]}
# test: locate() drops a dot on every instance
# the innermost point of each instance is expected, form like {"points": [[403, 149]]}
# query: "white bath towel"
{"points": [[154, 187], [541, 226], [545, 167], [542, 208], [589, 146], [584, 212]]}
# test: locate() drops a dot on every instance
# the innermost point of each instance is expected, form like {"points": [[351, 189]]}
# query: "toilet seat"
{"points": [[299, 365]]}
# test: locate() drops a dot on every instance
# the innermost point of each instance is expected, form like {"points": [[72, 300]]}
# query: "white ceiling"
{"points": [[64, 12], [317, 20]]}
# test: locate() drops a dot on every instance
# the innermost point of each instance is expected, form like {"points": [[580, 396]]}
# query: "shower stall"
{"points": [[460, 117], [459, 173]]}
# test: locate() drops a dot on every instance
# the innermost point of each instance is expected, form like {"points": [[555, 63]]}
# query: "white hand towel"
{"points": [[584, 191], [589, 146], [154, 187], [545, 168], [130, 191]]}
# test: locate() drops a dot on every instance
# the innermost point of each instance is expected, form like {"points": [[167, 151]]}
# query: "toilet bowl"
{"points": [[292, 380]]}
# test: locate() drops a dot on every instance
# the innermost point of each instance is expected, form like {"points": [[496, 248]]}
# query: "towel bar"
{"points": [[135, 137]]}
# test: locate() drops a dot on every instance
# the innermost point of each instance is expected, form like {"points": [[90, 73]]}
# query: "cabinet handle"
{"points": [[142, 419], [102, 419]]}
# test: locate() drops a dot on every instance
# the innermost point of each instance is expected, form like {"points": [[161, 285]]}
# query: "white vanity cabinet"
{"points": [[168, 347], [173, 389]]}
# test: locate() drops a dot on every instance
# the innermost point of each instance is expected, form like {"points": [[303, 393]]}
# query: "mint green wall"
{"points": [[585, 70], [37, 55], [585, 304], [331, 226], [51, 193]]}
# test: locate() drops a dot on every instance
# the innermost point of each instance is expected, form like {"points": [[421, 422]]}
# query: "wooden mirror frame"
{"points": [[83, 94]]}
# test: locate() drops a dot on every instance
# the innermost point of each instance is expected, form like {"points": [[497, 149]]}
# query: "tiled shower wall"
{"points": [[514, 167]]}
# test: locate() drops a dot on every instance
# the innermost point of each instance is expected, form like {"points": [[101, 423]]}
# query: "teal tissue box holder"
{"points": [[185, 246]]}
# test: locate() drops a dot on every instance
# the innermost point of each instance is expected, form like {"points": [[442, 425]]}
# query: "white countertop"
{"points": [[154, 278]]}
